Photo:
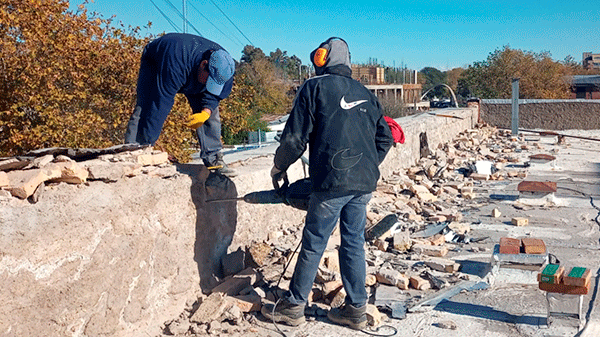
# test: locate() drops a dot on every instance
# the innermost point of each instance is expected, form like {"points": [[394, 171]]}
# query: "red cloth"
{"points": [[397, 132]]}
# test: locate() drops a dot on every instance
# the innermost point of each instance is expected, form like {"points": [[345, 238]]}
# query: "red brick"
{"points": [[533, 246], [565, 289], [510, 246], [537, 186]]}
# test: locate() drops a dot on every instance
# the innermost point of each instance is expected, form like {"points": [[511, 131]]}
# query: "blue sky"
{"points": [[440, 34]]}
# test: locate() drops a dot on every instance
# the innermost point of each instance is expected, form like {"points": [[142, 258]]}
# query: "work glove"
{"points": [[277, 175], [196, 120]]}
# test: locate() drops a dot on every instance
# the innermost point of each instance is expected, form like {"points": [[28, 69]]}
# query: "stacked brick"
{"points": [[23, 177], [554, 279]]}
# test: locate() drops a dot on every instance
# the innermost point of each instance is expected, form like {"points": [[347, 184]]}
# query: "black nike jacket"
{"points": [[343, 124]]}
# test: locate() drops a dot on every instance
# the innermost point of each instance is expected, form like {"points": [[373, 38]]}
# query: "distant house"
{"points": [[591, 61], [585, 86]]}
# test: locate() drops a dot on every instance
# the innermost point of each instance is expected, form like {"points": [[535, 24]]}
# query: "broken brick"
{"points": [[153, 158], [519, 221], [247, 303], [445, 265], [537, 186], [419, 283], [437, 240], [439, 251], [24, 183], [71, 172]]}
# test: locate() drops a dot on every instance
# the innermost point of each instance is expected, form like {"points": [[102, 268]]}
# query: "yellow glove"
{"points": [[196, 120]]}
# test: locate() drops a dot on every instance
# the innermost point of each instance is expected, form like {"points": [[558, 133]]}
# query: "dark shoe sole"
{"points": [[347, 322], [281, 318]]}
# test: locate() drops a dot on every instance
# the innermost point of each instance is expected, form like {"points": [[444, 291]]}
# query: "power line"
{"points": [[165, 16], [217, 28], [236, 27], [181, 16]]}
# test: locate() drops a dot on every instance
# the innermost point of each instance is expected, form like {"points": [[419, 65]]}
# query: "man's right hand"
{"points": [[197, 120]]}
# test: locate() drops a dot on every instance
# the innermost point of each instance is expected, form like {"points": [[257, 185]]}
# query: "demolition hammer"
{"points": [[295, 194]]}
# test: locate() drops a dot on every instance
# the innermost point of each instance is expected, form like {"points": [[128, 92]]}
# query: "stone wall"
{"points": [[122, 257], [544, 114]]}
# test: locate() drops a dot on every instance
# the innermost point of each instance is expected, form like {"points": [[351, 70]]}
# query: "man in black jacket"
{"points": [[342, 122]]}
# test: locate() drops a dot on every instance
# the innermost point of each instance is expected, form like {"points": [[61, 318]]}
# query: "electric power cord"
{"points": [[371, 332]]}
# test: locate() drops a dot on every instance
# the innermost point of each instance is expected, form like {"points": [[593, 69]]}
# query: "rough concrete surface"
{"points": [[125, 258]]}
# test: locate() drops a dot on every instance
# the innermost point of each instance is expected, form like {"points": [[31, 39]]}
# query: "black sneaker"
{"points": [[284, 312], [219, 166], [348, 315]]}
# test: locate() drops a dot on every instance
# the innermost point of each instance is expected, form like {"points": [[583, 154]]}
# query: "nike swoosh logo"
{"points": [[348, 106], [340, 162]]}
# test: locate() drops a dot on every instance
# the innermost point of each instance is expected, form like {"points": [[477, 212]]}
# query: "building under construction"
{"points": [[374, 79]]}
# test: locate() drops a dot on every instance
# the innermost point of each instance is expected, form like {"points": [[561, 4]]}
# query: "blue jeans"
{"points": [[324, 210]]}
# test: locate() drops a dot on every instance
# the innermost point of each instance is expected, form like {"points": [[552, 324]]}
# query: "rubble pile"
{"points": [[414, 228], [25, 177]]}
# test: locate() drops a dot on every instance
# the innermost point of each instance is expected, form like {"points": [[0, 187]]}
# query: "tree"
{"points": [[540, 76], [433, 77]]}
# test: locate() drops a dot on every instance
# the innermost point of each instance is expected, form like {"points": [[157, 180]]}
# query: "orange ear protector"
{"points": [[320, 56]]}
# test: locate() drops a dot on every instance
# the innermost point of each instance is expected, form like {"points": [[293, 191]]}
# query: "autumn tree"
{"points": [[540, 76], [68, 79]]}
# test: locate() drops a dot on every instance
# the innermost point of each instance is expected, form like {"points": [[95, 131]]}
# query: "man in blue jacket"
{"points": [[196, 67], [343, 124]]}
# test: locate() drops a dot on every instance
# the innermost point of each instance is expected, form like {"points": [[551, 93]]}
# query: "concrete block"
{"points": [[520, 221], [211, 308], [402, 241], [437, 251], [533, 246], [392, 277]]}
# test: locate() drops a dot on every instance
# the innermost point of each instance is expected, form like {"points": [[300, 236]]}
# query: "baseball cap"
{"points": [[220, 69]]}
